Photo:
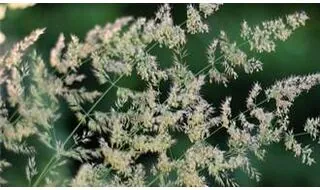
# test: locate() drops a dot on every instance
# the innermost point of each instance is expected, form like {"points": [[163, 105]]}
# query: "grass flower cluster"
{"points": [[141, 122]]}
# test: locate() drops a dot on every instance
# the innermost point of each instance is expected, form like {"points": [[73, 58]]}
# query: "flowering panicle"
{"points": [[100, 35], [185, 89], [122, 62], [71, 58], [164, 164], [297, 19], [15, 55], [36, 103], [31, 169], [226, 113], [56, 52], [90, 175], [145, 144], [13, 70], [284, 92], [263, 38], [194, 22], [113, 143], [208, 8], [68, 63], [232, 57], [119, 160], [312, 127], [255, 91], [198, 156], [199, 121], [299, 151], [163, 30]]}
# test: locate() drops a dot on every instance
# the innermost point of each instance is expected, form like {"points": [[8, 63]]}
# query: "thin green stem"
{"points": [[218, 59], [153, 180], [38, 180], [90, 110], [14, 114], [75, 129], [300, 134]]}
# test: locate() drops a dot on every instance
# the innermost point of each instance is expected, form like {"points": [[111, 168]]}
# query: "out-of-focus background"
{"points": [[298, 55]]}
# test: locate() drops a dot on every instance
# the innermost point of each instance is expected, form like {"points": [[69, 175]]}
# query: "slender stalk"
{"points": [[76, 128], [14, 114], [38, 180], [91, 109]]}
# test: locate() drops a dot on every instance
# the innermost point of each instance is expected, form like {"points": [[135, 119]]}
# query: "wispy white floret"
{"points": [[208, 8], [262, 38], [194, 21]]}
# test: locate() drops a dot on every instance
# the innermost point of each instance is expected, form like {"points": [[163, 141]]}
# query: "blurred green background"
{"points": [[298, 55]]}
